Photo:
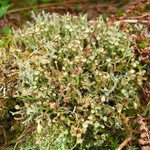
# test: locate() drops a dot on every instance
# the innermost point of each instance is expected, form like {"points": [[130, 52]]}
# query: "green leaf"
{"points": [[3, 9], [6, 30], [4, 2]]}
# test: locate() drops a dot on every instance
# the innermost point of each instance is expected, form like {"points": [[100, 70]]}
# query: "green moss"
{"points": [[119, 12], [142, 44], [146, 8]]}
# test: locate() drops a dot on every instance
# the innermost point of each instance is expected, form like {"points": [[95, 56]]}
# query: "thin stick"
{"points": [[136, 21], [124, 143], [44, 6], [141, 16]]}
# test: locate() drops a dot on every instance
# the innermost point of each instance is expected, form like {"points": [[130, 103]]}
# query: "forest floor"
{"points": [[126, 10], [20, 12]]}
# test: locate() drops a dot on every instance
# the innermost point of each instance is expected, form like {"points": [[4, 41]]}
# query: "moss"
{"points": [[142, 44], [146, 8]]}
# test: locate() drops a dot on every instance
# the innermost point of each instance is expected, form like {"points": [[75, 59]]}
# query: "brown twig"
{"points": [[24, 135], [124, 143], [136, 21], [45, 6]]}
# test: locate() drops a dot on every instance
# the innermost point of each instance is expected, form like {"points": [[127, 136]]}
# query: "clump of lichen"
{"points": [[77, 81]]}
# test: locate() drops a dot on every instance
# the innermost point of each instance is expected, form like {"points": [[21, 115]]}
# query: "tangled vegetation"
{"points": [[71, 83]]}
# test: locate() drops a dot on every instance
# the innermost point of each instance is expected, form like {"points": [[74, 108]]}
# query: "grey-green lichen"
{"points": [[77, 79]]}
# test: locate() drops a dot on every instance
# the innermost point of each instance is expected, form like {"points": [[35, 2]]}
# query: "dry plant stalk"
{"points": [[44, 6], [144, 140], [124, 143]]}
